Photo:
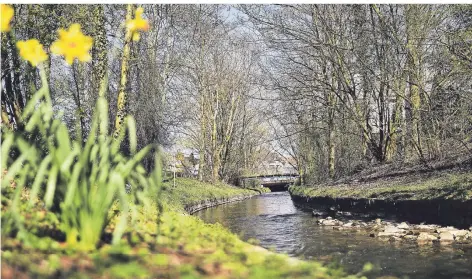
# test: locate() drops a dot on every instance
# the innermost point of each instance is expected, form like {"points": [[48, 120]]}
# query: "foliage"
{"points": [[81, 182]]}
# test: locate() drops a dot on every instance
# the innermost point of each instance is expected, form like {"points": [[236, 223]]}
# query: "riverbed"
{"points": [[277, 223]]}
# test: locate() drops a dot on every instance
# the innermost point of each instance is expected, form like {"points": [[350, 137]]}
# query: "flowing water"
{"points": [[278, 223]]}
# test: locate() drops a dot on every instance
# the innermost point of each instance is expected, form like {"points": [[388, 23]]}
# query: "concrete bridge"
{"points": [[275, 182]]}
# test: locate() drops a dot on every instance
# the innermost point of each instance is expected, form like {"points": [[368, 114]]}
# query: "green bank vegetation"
{"points": [[457, 186], [188, 192]]}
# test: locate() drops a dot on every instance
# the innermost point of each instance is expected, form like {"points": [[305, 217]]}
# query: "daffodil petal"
{"points": [[69, 59], [7, 13], [139, 12], [55, 49], [85, 58], [32, 51], [74, 28], [73, 44]]}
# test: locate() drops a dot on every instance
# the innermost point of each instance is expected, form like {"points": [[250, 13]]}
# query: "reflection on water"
{"points": [[274, 220]]}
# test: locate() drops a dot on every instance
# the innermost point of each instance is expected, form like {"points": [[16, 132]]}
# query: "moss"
{"points": [[456, 186]]}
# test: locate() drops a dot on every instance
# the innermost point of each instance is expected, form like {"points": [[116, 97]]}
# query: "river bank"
{"points": [[165, 243], [425, 208], [191, 195], [443, 198]]}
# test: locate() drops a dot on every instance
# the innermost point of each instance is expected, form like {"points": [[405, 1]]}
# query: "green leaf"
{"points": [[39, 179], [51, 186], [73, 184], [63, 140]]}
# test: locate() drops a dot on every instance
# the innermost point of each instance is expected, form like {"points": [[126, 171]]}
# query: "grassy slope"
{"points": [[182, 246], [189, 192], [445, 185]]}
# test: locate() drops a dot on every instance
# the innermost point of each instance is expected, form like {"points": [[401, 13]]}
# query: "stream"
{"points": [[278, 224]]}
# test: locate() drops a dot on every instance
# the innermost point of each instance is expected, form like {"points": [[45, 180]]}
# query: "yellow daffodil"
{"points": [[137, 24], [73, 44], [6, 14], [32, 51]]}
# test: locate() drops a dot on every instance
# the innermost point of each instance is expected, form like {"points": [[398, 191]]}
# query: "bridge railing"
{"points": [[266, 180]]}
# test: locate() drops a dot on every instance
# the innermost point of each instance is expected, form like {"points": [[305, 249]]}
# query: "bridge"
{"points": [[275, 182]]}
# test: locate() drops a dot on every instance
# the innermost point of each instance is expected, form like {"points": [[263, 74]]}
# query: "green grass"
{"points": [[457, 186], [188, 192]]}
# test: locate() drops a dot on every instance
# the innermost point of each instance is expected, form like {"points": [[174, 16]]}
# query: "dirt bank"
{"points": [[443, 196]]}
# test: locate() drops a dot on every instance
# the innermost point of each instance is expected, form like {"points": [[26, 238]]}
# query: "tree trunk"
{"points": [[122, 104], [99, 53]]}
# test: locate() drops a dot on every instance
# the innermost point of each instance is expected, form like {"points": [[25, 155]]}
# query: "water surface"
{"points": [[277, 223]]}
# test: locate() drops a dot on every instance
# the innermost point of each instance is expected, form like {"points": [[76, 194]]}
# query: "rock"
{"points": [[348, 224], [378, 221], [446, 236], [464, 237], [403, 225], [382, 234], [329, 218], [328, 222], [423, 236], [376, 227], [392, 229], [426, 227], [470, 229], [320, 221], [460, 233], [446, 229], [388, 224]]}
